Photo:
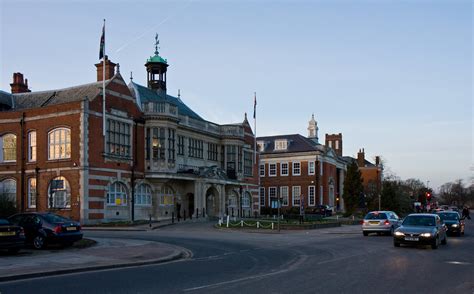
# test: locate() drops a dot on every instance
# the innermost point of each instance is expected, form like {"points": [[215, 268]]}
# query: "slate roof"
{"points": [[59, 96], [296, 143], [5, 100], [350, 159], [148, 95]]}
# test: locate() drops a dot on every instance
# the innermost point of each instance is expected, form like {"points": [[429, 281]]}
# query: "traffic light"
{"points": [[428, 196]]}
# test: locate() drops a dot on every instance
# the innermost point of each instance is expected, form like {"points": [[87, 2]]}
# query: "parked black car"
{"points": [[12, 238], [324, 210], [47, 228], [453, 222]]}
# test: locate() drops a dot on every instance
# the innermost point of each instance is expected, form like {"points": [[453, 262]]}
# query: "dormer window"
{"points": [[261, 146], [281, 144]]}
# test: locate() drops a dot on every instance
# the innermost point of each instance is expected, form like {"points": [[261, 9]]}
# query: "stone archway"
{"points": [[212, 202]]}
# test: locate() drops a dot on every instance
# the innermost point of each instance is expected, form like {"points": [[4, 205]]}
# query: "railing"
{"points": [[151, 108]]}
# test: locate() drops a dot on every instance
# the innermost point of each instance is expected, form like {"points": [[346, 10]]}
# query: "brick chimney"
{"points": [[18, 85], [334, 141], [109, 69], [377, 160], [361, 158]]}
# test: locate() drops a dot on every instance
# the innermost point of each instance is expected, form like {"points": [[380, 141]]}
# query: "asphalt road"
{"points": [[336, 260]]}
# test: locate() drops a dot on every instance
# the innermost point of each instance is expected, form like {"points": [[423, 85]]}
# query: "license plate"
{"points": [[411, 239], [7, 233], [71, 229], [374, 222]]}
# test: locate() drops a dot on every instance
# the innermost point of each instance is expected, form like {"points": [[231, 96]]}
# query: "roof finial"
{"points": [[312, 116], [118, 68], [131, 76], [179, 93], [157, 42]]}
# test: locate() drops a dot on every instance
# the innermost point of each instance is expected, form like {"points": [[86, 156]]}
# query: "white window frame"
{"points": [[167, 193], [32, 193], [270, 165], [299, 168], [64, 151], [246, 200], [61, 196], [296, 195], [262, 196], [285, 197], [311, 195], [330, 144], [32, 146], [143, 195], [287, 169], [11, 193], [311, 168], [281, 144], [270, 196], [117, 194], [262, 169], [4, 150]]}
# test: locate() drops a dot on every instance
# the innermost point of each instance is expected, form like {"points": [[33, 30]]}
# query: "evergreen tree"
{"points": [[353, 189]]}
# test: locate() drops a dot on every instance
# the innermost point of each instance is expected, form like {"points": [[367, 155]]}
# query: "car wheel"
{"points": [[396, 244], [445, 240], [365, 233], [392, 229], [39, 242], [435, 243], [458, 234], [13, 250]]}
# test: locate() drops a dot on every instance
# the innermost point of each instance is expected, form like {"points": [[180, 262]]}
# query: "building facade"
{"points": [[371, 173], [300, 171], [149, 156]]}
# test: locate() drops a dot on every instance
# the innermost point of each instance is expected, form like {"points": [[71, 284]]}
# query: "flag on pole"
{"points": [[102, 43], [255, 106]]}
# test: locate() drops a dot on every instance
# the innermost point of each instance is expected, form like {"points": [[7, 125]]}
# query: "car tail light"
{"points": [[386, 222], [58, 229], [362, 222]]}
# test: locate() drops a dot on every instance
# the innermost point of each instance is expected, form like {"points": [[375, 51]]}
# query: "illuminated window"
{"points": [[59, 144]]}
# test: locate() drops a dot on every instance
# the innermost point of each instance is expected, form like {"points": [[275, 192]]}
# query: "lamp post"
{"points": [[278, 203]]}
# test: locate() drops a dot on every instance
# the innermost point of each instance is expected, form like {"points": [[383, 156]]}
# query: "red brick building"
{"points": [[301, 171], [149, 156], [372, 173]]}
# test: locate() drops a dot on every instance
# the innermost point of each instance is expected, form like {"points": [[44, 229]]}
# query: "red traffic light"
{"points": [[428, 195]]}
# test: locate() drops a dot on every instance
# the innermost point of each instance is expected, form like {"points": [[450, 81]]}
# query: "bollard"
{"points": [[228, 219], [150, 221], [184, 212], [172, 217], [190, 214], [258, 225], [242, 223], [272, 226], [197, 212], [203, 212]]}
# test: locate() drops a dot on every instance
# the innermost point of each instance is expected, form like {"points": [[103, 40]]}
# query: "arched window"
{"points": [[31, 193], [32, 146], [167, 195], [59, 193], [8, 147], [143, 195], [117, 194], [232, 200], [59, 144], [246, 200], [8, 189]]}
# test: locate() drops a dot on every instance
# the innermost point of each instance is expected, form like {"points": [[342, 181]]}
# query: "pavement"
{"points": [[105, 254]]}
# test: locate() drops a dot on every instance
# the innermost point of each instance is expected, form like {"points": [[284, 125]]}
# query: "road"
{"points": [[336, 260]]}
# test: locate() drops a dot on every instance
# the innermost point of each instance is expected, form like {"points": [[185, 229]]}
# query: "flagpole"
{"points": [[103, 91], [255, 149]]}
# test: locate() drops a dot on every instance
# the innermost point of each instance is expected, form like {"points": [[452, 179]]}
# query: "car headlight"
{"points": [[399, 234], [426, 235], [455, 226]]}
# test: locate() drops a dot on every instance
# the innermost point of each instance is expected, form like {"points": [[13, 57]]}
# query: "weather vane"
{"points": [[157, 42]]}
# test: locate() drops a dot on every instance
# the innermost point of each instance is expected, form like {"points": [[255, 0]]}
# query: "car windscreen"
{"points": [[4, 221], [449, 216], [419, 220], [374, 215], [53, 218]]}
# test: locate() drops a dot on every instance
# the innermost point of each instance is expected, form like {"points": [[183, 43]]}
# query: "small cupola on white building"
{"points": [[313, 130]]}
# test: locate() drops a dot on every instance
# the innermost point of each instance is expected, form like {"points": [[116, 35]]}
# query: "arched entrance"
{"points": [[212, 202]]}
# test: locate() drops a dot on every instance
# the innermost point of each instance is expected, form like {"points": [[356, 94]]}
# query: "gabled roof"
{"points": [[350, 159], [59, 96], [296, 143], [148, 95]]}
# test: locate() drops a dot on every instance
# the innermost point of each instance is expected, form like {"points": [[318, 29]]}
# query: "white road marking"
{"points": [[458, 262]]}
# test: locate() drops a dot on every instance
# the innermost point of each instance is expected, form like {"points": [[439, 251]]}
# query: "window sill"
{"points": [[7, 162], [58, 160]]}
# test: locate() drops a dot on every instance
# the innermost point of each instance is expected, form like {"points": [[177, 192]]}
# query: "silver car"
{"points": [[380, 222]]}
